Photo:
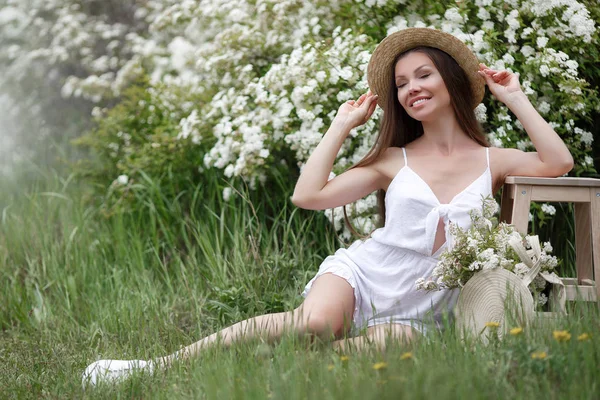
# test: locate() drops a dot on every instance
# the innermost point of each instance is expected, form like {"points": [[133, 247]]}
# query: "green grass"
{"points": [[76, 286]]}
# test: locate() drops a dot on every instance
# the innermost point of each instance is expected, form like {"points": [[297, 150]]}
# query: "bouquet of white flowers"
{"points": [[487, 244]]}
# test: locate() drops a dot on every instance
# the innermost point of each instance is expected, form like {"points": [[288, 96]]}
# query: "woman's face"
{"points": [[420, 87]]}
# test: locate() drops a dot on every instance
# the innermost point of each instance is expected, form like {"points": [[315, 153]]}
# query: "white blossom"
{"points": [[508, 59], [544, 107], [481, 113], [542, 299], [527, 51], [483, 14], [585, 137], [227, 193], [475, 266], [548, 209], [541, 41], [420, 283], [123, 180]]}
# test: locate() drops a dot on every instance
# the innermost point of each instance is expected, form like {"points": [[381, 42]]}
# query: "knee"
{"points": [[316, 322], [319, 325]]}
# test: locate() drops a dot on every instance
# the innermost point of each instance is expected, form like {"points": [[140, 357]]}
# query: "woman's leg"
{"points": [[327, 311], [378, 335]]}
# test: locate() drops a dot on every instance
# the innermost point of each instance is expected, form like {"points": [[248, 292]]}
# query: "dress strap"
{"points": [[405, 159], [487, 153]]}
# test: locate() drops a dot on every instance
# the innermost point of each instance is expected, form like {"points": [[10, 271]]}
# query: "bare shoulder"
{"points": [[390, 160], [392, 153], [388, 164]]}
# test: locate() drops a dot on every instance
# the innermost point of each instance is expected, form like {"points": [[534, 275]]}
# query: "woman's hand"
{"points": [[356, 113], [504, 85]]}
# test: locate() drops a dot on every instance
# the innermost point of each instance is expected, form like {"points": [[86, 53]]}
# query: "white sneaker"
{"points": [[113, 371]]}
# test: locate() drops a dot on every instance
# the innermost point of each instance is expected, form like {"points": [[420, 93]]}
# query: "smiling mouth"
{"points": [[416, 103]]}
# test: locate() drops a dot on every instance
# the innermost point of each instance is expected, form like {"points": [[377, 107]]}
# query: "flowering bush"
{"points": [[486, 245], [143, 135], [271, 73]]}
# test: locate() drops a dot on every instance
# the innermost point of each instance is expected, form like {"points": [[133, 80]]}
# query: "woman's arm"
{"points": [[553, 157], [313, 191]]}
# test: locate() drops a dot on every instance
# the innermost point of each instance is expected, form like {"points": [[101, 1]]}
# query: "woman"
{"points": [[431, 164]]}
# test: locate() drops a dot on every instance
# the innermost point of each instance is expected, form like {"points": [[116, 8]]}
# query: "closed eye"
{"points": [[404, 84]]}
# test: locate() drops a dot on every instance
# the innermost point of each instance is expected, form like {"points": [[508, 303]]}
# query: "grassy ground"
{"points": [[76, 286]]}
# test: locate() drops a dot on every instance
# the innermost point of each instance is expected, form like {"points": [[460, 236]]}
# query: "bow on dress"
{"points": [[440, 211]]}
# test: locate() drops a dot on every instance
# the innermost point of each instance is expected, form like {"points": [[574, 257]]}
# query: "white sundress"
{"points": [[383, 269]]}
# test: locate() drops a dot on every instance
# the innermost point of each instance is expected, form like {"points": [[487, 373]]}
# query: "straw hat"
{"points": [[498, 295], [380, 69], [495, 295]]}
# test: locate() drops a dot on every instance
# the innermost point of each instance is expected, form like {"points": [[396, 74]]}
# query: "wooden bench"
{"points": [[518, 193]]}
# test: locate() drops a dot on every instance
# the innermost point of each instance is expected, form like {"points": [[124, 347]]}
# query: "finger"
{"points": [[370, 100], [367, 99], [372, 107], [369, 112], [505, 81], [501, 76], [486, 77], [485, 68]]}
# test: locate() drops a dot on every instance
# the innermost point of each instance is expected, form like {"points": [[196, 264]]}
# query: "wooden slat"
{"points": [[558, 194], [583, 241], [549, 315], [520, 208], [519, 191], [581, 293], [595, 211], [529, 180], [506, 204], [573, 281]]}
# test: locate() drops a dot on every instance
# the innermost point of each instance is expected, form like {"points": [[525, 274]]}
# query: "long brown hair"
{"points": [[397, 128]]}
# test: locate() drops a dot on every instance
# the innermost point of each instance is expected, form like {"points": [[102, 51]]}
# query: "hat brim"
{"points": [[380, 65]]}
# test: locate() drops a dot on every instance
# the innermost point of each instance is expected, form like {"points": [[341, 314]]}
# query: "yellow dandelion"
{"points": [[516, 331], [492, 324], [344, 358], [539, 355], [406, 356], [561, 336], [330, 367], [379, 366], [583, 337]]}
